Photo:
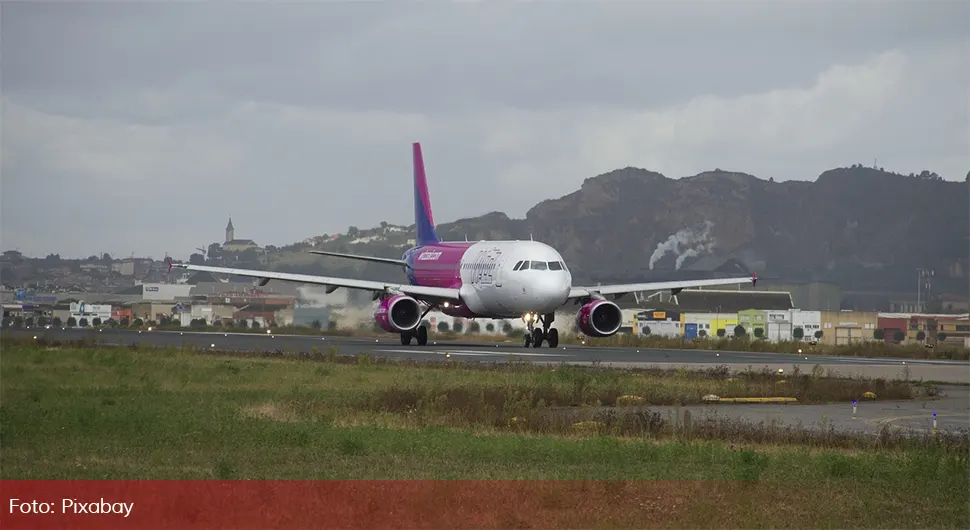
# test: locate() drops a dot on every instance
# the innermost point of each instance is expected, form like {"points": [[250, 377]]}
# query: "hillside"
{"points": [[861, 227]]}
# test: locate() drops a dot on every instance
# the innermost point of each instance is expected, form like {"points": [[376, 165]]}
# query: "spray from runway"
{"points": [[685, 243]]}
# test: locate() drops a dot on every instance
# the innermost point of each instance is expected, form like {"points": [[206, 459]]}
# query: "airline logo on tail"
{"points": [[429, 255]]}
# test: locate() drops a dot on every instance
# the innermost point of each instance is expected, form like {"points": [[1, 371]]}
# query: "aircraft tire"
{"points": [[553, 338]]}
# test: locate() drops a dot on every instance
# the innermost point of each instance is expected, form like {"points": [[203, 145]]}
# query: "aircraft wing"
{"points": [[582, 292], [429, 294], [375, 259]]}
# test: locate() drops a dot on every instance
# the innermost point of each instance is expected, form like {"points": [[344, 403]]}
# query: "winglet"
{"points": [[423, 220], [754, 279], [168, 261]]}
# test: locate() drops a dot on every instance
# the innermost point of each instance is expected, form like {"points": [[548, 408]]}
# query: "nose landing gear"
{"points": [[535, 336]]}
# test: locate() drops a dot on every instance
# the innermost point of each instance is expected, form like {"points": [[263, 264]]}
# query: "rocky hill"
{"points": [[864, 228]]}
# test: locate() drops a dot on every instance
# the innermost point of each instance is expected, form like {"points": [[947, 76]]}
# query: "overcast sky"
{"points": [[141, 127]]}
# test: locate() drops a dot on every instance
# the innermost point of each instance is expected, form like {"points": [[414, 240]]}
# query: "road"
{"points": [[952, 407]]}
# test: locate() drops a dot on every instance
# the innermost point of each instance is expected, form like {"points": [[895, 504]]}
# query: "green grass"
{"points": [[129, 413]]}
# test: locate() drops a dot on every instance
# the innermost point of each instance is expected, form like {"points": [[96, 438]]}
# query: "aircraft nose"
{"points": [[551, 287]]}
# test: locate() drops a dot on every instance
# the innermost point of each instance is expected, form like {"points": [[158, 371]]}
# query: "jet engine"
{"points": [[398, 313], [599, 318]]}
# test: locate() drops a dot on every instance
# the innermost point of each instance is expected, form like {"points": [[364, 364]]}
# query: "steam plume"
{"points": [[694, 243]]}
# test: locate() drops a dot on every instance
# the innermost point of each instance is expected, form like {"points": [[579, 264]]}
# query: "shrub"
{"points": [[798, 333], [739, 331], [879, 334], [443, 326]]}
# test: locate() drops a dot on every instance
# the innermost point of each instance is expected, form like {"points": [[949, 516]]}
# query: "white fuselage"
{"points": [[504, 279]]}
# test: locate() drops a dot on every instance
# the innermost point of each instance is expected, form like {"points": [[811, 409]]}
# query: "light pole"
{"points": [[923, 276]]}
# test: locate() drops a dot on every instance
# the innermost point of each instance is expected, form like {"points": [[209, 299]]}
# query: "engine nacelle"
{"points": [[398, 313], [599, 318]]}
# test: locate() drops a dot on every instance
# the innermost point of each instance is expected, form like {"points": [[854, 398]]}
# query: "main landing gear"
{"points": [[535, 336], [420, 332]]}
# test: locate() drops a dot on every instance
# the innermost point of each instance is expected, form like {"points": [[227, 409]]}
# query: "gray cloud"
{"points": [[155, 121]]}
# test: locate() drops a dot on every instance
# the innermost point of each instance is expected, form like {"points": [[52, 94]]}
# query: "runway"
{"points": [[928, 370], [952, 407]]}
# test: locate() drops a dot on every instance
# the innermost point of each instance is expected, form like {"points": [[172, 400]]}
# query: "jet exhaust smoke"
{"points": [[693, 242]]}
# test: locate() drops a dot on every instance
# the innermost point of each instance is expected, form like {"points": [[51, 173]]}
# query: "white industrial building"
{"points": [[809, 321], [90, 312], [165, 291], [659, 328], [778, 325]]}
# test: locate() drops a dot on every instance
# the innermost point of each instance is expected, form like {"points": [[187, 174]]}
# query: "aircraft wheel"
{"points": [[553, 338], [528, 340], [422, 335], [537, 338], [405, 338]]}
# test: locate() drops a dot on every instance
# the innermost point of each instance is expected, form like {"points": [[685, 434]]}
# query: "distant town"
{"points": [[106, 290]]}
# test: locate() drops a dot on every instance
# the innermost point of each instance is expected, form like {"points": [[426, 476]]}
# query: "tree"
{"points": [[879, 334], [818, 334], [316, 324], [759, 332], [645, 330], [18, 321], [921, 335], [721, 332], [215, 251], [739, 331], [798, 333], [442, 326], [71, 322], [458, 327], [702, 333], [197, 259], [243, 324], [96, 321], [941, 336], [29, 321], [255, 324], [138, 323], [507, 328], [57, 321], [43, 321], [490, 327], [83, 322], [125, 321], [475, 327], [898, 335]]}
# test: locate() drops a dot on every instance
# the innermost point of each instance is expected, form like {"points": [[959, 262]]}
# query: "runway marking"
{"points": [[878, 422], [475, 353]]}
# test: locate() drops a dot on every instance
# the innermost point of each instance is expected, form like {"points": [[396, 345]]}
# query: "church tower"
{"points": [[230, 231]]}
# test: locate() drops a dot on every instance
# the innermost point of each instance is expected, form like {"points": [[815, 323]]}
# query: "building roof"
{"points": [[713, 301], [229, 226], [719, 264], [240, 242]]}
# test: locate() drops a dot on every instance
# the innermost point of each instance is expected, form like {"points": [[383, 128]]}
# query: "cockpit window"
{"points": [[538, 265], [555, 266], [517, 265], [525, 266]]}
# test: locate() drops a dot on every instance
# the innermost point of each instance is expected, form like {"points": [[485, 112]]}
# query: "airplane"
{"points": [[484, 279]]}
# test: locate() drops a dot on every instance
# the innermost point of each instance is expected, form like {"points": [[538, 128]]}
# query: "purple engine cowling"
{"points": [[398, 313], [599, 318]]}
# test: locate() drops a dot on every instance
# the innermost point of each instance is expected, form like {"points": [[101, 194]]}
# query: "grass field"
{"points": [[96, 413]]}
